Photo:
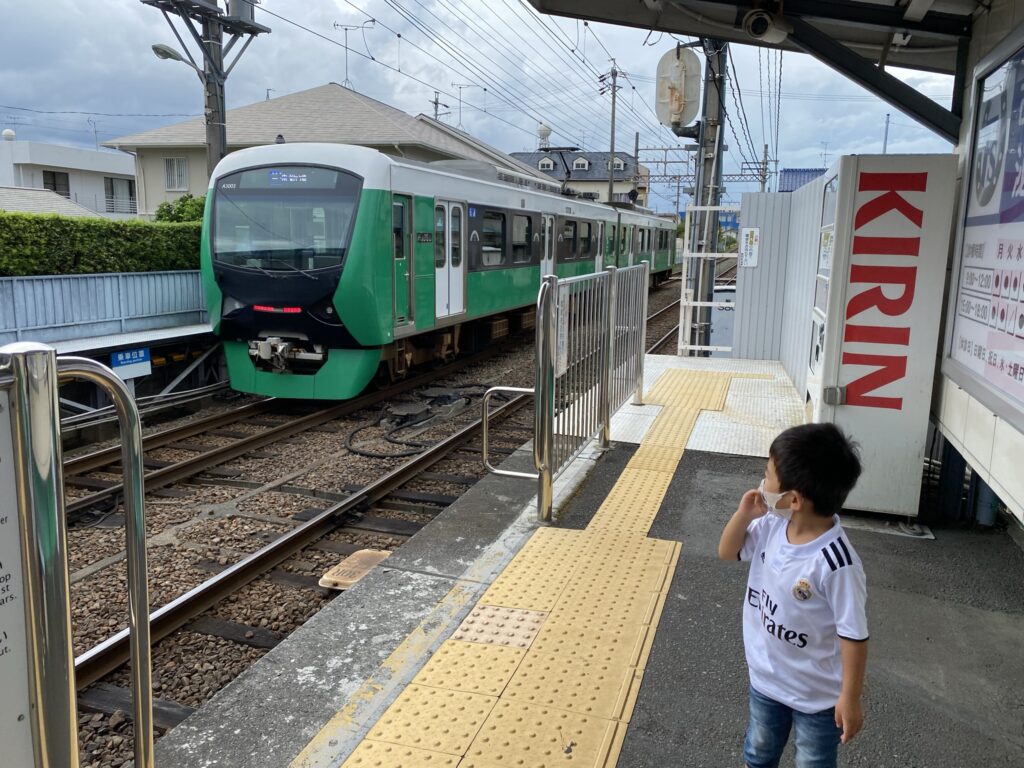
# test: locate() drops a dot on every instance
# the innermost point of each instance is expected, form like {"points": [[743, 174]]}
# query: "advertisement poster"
{"points": [[988, 329]]}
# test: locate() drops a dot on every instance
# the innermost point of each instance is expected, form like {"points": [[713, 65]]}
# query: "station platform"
{"points": [[614, 636], [130, 340]]}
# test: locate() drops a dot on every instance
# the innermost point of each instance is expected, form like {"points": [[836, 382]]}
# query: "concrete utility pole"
{"points": [[885, 139], [636, 160], [611, 156], [213, 23], [764, 168], [709, 177]]}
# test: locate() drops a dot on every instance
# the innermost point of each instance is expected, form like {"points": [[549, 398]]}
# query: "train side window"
{"points": [[585, 233], [569, 242], [622, 240], [439, 257], [492, 239], [398, 229], [610, 248], [456, 236], [522, 239]]}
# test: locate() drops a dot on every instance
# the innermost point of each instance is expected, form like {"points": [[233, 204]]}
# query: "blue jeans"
{"points": [[817, 737]]}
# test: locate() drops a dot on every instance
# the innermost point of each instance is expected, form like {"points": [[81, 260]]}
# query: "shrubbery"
{"points": [[34, 244], [185, 208]]}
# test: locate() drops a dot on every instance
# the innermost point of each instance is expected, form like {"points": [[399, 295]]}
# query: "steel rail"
{"points": [[662, 341], [183, 470], [113, 652], [663, 310], [106, 456]]}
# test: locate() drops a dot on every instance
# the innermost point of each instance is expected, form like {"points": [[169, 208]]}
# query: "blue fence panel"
{"points": [[71, 307]]}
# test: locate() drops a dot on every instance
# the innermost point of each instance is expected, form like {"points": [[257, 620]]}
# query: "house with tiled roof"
{"points": [[171, 161], [587, 172]]}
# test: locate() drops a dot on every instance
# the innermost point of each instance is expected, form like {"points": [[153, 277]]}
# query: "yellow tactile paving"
{"points": [[380, 754], [539, 737], [546, 668], [548, 680], [434, 719], [471, 667], [497, 625]]}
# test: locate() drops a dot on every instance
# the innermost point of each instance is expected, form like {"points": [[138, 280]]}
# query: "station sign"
{"points": [[15, 708], [131, 363]]}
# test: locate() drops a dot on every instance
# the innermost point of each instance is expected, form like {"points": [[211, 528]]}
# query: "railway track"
{"points": [[194, 628], [114, 652]]}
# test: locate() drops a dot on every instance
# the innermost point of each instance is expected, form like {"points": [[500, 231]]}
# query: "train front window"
{"points": [[284, 218]]}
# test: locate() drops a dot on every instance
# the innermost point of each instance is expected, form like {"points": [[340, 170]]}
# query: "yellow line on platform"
{"points": [[506, 694]]}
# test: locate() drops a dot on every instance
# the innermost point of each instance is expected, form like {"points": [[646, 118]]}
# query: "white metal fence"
{"points": [[698, 278], [589, 360]]}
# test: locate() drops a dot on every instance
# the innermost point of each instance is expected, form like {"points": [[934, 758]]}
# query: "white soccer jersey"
{"points": [[800, 600]]}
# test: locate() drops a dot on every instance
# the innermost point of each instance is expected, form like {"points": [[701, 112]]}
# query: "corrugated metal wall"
{"points": [[760, 290], [65, 308], [802, 266]]}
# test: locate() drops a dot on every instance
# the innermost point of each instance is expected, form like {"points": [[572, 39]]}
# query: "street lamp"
{"points": [[166, 52]]}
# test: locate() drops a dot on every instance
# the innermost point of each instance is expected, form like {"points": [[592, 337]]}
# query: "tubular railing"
{"points": [[38, 715], [589, 360]]}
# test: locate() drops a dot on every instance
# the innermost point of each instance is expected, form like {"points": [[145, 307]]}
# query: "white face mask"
{"points": [[771, 499]]}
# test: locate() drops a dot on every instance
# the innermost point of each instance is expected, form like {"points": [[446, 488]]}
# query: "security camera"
{"points": [[766, 28]]}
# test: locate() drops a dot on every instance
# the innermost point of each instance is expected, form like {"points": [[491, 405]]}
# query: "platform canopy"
{"points": [[853, 37]]}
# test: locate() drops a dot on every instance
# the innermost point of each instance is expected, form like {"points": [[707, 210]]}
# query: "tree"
{"points": [[185, 208]]}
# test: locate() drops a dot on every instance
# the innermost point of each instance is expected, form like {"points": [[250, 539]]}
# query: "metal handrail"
{"points": [[135, 530], [38, 470], [485, 422]]}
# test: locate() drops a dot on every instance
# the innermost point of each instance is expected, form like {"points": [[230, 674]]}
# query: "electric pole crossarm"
{"points": [[181, 42]]}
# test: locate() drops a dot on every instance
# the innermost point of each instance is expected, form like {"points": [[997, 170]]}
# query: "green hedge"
{"points": [[36, 244]]}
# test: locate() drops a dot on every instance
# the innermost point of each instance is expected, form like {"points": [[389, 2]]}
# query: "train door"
{"points": [[401, 233], [449, 259], [547, 258], [599, 249]]}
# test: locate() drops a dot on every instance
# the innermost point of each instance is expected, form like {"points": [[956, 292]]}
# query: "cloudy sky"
{"points": [[81, 71]]}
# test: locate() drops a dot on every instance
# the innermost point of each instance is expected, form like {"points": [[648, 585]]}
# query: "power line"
{"points": [[94, 114]]}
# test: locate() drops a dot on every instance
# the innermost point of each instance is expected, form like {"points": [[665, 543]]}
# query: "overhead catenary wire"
{"points": [[384, 64]]}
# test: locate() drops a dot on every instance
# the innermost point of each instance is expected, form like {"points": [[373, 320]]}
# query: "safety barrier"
{"points": [[38, 712], [589, 360]]}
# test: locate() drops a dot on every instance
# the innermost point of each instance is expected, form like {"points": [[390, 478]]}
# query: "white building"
{"points": [[103, 182]]}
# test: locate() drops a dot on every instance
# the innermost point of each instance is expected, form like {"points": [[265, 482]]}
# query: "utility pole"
{"points": [[213, 86], [636, 160], [764, 169], [709, 178], [614, 74], [885, 139], [438, 103], [213, 23]]}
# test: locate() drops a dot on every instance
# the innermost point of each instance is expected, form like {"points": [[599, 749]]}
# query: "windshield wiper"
{"points": [[292, 267]]}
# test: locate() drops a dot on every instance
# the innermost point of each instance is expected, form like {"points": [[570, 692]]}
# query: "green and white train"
{"points": [[325, 263]]}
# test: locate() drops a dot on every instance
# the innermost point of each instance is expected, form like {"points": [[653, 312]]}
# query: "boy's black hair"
{"points": [[819, 461]]}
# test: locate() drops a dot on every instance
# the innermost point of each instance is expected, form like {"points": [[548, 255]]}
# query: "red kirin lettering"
{"points": [[900, 281]]}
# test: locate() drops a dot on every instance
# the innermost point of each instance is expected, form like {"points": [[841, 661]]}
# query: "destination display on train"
{"points": [[988, 329]]}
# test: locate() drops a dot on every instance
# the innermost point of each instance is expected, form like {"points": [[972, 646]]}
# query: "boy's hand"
{"points": [[849, 717], [752, 505]]}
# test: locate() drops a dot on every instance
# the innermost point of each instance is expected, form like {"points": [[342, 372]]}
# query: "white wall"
{"points": [[22, 164], [989, 444]]}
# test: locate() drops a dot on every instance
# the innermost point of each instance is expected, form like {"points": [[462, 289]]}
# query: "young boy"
{"points": [[804, 627]]}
